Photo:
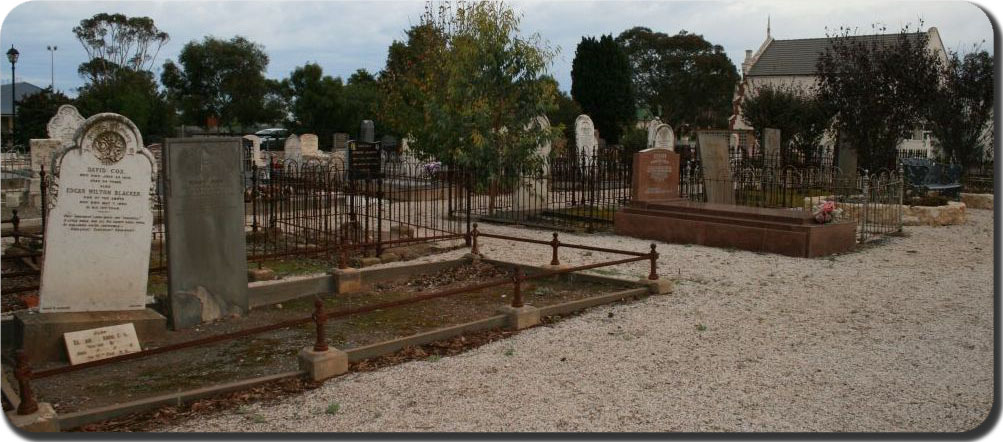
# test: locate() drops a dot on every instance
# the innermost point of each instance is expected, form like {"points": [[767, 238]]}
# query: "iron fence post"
{"points": [[379, 215], [554, 243], [901, 189], [473, 246], [22, 372], [254, 198], [15, 222], [319, 317], [517, 287], [43, 191], [653, 275], [866, 187], [470, 181]]}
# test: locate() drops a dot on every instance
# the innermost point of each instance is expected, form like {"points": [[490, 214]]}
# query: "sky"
{"points": [[343, 36]]}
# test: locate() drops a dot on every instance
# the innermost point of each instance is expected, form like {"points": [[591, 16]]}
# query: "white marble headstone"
{"points": [[308, 145], [97, 238], [63, 126], [651, 127], [256, 155], [292, 149], [664, 138], [585, 137]]}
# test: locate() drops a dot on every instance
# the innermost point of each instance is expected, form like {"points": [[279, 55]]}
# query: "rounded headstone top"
{"points": [[64, 124], [109, 137]]}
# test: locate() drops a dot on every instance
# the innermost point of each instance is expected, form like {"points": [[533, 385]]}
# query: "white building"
{"points": [[792, 63]]}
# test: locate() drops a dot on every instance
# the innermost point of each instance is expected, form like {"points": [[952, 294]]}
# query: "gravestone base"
{"points": [[41, 334], [660, 286], [520, 317], [42, 420], [347, 280], [474, 258], [321, 365]]}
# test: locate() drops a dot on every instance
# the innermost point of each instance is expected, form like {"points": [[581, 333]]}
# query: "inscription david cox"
{"points": [[97, 239]]}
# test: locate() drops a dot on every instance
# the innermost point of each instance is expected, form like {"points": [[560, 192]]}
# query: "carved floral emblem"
{"points": [[109, 147]]}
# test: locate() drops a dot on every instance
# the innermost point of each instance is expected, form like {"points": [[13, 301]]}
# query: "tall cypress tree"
{"points": [[601, 84]]}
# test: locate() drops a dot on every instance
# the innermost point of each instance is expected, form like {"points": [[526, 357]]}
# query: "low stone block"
{"points": [[369, 261], [978, 200], [12, 199], [321, 365], [347, 280], [520, 317], [389, 257], [262, 274], [41, 421], [41, 334], [660, 286]]}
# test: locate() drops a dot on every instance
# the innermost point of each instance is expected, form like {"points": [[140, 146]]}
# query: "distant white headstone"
{"points": [[308, 145], [256, 155], [97, 238], [651, 127], [63, 126], [664, 138], [585, 137], [292, 149]]}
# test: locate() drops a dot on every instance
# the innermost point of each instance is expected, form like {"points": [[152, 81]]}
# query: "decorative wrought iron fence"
{"points": [[576, 193]]}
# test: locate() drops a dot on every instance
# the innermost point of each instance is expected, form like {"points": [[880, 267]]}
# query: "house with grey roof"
{"points": [[793, 63], [22, 89]]}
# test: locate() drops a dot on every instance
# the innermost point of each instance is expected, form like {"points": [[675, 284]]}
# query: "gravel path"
{"points": [[894, 337]]}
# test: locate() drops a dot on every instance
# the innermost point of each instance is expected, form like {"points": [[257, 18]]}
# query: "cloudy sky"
{"points": [[343, 36]]}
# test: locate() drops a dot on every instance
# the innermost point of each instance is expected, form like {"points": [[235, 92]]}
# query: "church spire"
{"points": [[767, 26]]}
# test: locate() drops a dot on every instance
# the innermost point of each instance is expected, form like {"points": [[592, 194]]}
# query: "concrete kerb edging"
{"points": [[83, 417]]}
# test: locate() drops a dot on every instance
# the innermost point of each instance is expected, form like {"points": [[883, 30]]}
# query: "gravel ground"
{"points": [[893, 337]]}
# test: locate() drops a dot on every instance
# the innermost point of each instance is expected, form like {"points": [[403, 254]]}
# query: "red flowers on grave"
{"points": [[826, 212]]}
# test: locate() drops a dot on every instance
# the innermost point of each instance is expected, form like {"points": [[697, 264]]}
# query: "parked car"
{"points": [[273, 139]]}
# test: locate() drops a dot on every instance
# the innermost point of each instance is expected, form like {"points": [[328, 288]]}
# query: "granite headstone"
{"points": [[206, 256], [655, 176]]}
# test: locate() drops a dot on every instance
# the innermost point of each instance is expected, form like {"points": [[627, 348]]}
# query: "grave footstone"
{"points": [[206, 255], [97, 239], [718, 183]]}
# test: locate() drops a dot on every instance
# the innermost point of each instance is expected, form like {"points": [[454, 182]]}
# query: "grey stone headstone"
{"points": [[63, 126], [718, 183], [771, 143], [206, 255], [340, 140], [97, 237], [367, 132], [847, 162]]}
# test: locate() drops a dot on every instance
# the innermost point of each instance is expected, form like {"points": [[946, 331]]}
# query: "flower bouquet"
{"points": [[826, 212]]}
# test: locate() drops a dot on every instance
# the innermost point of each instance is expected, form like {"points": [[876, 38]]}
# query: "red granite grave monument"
{"points": [[657, 212]]}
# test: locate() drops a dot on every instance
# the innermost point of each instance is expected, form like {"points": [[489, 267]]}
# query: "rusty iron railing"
{"points": [[319, 317]]}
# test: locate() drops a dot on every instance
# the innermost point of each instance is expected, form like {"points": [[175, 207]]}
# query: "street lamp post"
{"points": [[52, 66], [12, 55]]}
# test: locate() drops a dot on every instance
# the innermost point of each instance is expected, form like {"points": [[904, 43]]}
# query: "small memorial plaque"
{"points": [[101, 343], [364, 161]]}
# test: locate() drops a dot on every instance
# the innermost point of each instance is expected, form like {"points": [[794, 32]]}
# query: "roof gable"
{"points": [[799, 57]]}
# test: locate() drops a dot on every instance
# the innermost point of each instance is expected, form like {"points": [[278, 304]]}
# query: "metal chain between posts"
{"points": [[22, 372], [554, 244], [654, 264], [319, 317], [517, 277]]}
